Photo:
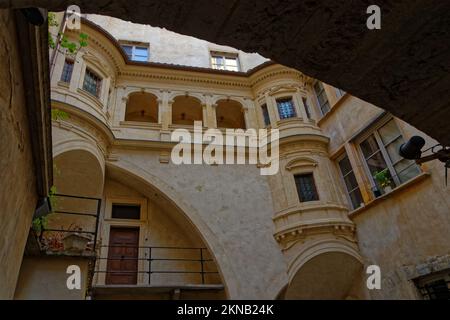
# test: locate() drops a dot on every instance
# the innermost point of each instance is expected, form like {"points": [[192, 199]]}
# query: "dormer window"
{"points": [[225, 61], [136, 52]]}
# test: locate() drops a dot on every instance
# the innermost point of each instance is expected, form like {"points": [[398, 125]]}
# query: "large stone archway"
{"points": [[402, 68]]}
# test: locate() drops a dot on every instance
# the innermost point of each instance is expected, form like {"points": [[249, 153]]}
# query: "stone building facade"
{"points": [[225, 231]]}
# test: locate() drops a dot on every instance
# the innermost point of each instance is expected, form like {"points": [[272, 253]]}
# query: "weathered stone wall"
{"points": [[403, 67], [170, 47], [407, 232], [17, 181], [45, 278]]}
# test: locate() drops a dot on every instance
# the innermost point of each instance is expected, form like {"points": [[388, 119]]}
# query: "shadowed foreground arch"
{"points": [[402, 68], [156, 190]]}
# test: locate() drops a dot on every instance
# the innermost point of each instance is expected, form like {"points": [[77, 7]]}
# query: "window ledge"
{"points": [[63, 84], [140, 124], [386, 196], [91, 97]]}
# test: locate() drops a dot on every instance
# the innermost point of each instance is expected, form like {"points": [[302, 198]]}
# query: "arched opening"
{"points": [[78, 182], [329, 275], [142, 107], [229, 114], [186, 110]]}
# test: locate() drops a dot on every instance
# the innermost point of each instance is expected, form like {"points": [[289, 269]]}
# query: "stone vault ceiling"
{"points": [[403, 68]]}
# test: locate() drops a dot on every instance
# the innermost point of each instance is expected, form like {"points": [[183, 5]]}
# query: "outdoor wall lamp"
{"points": [[412, 150]]}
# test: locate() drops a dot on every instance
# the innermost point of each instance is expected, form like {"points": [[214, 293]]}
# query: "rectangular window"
{"points": [[351, 185], [340, 92], [286, 108], [380, 152], [225, 61], [92, 83], [434, 286], [321, 97], [67, 71], [308, 111], [265, 113], [136, 53], [306, 187], [122, 211]]}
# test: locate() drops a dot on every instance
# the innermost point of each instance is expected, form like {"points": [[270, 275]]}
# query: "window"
{"points": [[321, 97], [307, 110], [306, 188], [340, 92], [265, 113], [121, 211], [435, 286], [67, 71], [92, 83], [225, 61], [380, 151], [136, 53], [286, 108], [351, 185]]}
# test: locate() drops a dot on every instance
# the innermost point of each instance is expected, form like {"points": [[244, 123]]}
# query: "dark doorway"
{"points": [[122, 267]]}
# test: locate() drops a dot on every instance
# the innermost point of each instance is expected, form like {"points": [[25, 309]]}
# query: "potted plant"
{"points": [[383, 179], [75, 241]]}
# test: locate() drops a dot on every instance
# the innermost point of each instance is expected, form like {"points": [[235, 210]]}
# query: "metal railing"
{"points": [[199, 256], [65, 209]]}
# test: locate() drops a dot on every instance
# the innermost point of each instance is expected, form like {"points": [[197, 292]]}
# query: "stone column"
{"points": [[301, 108], [213, 116], [272, 109]]}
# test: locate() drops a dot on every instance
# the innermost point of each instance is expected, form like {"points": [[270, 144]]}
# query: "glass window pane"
{"points": [[232, 62], [388, 132], [345, 166], [128, 50], [67, 71], [306, 188], [141, 51], [286, 108], [406, 170], [369, 146], [356, 198], [265, 114], [393, 149], [350, 181], [126, 211]]}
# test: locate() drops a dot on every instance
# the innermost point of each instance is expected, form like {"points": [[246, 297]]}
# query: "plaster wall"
{"points": [[18, 185]]}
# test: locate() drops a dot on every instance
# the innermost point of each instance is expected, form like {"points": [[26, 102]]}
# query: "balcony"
{"points": [[146, 272]]}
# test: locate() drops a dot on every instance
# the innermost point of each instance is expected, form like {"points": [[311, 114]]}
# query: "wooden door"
{"points": [[123, 260]]}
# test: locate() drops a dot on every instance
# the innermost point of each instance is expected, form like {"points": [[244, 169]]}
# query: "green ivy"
{"points": [[59, 115], [71, 47]]}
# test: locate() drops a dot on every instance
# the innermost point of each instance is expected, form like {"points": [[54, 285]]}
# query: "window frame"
{"points": [[316, 191], [134, 46], [224, 55], [98, 85], [323, 91], [285, 98], [71, 62], [264, 112], [383, 150], [341, 174]]}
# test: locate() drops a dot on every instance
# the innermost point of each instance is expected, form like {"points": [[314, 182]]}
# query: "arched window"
{"points": [[230, 114], [142, 107], [186, 110]]}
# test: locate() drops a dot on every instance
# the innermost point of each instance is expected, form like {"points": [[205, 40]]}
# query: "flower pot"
{"points": [[75, 242], [387, 189]]}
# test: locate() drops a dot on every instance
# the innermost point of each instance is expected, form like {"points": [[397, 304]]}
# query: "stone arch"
{"points": [[230, 114], [186, 109], [142, 106], [149, 184], [325, 269]]}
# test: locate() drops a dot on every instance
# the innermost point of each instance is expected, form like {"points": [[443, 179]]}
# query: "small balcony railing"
{"points": [[71, 227], [155, 265]]}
